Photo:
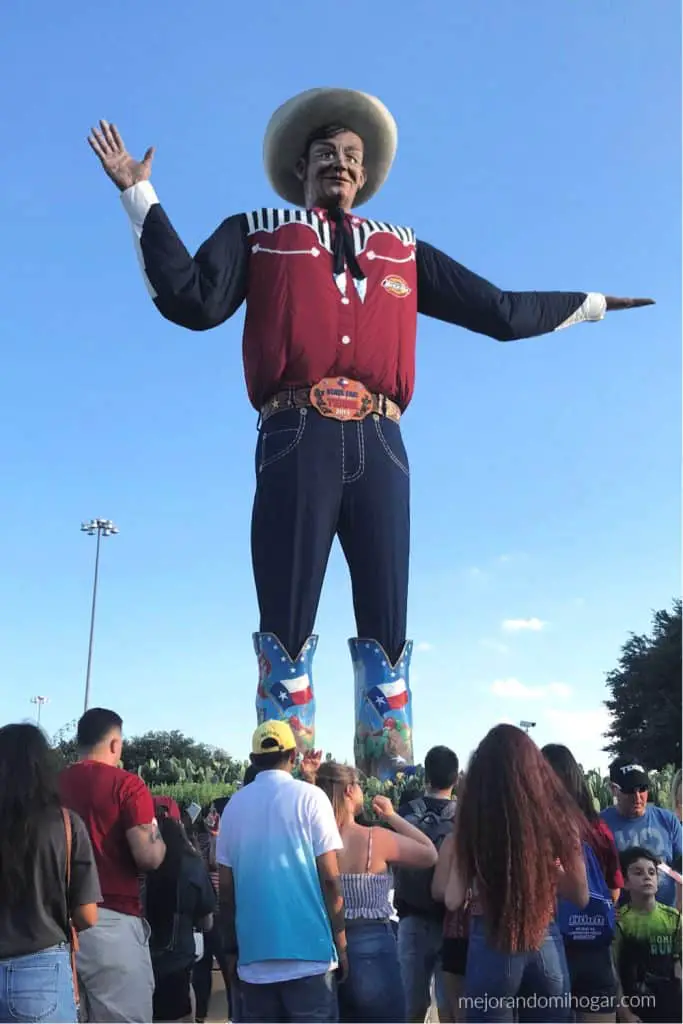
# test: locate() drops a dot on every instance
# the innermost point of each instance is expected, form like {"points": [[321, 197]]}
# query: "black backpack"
{"points": [[414, 885]]}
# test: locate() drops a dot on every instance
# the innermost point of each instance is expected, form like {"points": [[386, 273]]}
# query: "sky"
{"points": [[539, 144]]}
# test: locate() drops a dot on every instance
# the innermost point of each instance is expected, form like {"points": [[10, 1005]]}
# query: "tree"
{"points": [[64, 744], [162, 757], [170, 758], [645, 701], [163, 746]]}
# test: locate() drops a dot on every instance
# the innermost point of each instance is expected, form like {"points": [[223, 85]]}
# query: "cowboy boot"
{"points": [[285, 687], [383, 743]]}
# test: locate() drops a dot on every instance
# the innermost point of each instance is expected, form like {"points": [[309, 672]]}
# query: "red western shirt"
{"points": [[303, 323]]}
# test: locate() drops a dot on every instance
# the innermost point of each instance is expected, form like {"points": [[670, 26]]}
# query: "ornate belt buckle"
{"points": [[341, 399]]}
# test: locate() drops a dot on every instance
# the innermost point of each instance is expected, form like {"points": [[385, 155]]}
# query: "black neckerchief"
{"points": [[343, 252]]}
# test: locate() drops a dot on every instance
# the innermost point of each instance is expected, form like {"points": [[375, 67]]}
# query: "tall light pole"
{"points": [[100, 528], [39, 701]]}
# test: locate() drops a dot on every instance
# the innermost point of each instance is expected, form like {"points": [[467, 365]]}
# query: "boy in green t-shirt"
{"points": [[647, 945]]}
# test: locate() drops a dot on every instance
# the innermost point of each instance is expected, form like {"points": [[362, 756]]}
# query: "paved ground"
{"points": [[218, 1007]]}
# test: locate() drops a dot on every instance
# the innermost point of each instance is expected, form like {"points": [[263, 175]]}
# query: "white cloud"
{"points": [[424, 647], [518, 625], [513, 689]]}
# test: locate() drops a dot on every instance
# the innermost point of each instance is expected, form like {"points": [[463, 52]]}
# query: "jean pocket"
{"points": [[280, 436], [32, 991], [389, 437]]}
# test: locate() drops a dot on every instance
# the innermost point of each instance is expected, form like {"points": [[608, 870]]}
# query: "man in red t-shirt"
{"points": [[114, 964]]}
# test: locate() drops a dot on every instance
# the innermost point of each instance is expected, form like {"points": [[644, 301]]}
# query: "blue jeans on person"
{"points": [[38, 987], [304, 1000], [420, 940], [316, 478], [373, 990], [502, 987]]}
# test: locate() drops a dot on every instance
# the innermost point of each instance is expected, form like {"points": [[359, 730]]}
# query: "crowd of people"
{"points": [[500, 894]]}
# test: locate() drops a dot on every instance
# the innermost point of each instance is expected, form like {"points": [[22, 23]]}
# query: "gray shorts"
{"points": [[115, 969]]}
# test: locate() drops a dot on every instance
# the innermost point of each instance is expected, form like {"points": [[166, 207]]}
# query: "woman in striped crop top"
{"points": [[374, 990]]}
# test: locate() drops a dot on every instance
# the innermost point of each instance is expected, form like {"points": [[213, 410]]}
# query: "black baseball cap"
{"points": [[628, 775]]}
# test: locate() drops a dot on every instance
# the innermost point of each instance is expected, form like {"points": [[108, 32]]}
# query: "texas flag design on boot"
{"points": [[293, 692], [384, 723], [389, 696], [285, 687]]}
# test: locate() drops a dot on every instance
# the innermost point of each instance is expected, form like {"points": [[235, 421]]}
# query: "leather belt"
{"points": [[309, 397], [360, 922]]}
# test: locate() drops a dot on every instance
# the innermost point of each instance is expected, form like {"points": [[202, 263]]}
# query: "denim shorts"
{"points": [[591, 972], [502, 987], [38, 987]]}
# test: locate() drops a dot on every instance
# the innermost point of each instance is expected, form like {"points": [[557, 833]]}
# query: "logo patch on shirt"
{"points": [[396, 286]]}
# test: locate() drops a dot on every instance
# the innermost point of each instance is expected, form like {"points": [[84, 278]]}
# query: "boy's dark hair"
{"points": [[250, 774], [95, 725], [441, 768], [628, 857]]}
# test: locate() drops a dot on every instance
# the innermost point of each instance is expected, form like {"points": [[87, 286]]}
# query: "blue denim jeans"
{"points": [[38, 987], [301, 1001], [373, 990], [317, 478], [420, 940], [533, 986]]}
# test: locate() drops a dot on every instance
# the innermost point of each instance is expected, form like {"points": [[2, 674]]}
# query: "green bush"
{"points": [[223, 771], [202, 793], [399, 791], [210, 773]]}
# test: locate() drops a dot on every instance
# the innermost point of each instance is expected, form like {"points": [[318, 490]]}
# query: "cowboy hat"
{"points": [[291, 125]]}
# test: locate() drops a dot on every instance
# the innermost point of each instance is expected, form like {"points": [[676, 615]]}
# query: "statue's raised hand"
{"points": [[118, 164], [617, 304]]}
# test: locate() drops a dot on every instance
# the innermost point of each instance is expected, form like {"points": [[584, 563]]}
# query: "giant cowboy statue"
{"points": [[329, 350]]}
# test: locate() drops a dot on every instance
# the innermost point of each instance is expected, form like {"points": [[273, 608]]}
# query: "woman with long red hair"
{"points": [[517, 846]]}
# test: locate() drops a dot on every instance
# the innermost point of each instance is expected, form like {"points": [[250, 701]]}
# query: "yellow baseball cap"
{"points": [[271, 737]]}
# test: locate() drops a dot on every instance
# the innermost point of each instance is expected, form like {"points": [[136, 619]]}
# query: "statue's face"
{"points": [[333, 172]]}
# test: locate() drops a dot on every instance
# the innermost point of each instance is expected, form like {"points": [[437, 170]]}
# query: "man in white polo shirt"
{"points": [[280, 896]]}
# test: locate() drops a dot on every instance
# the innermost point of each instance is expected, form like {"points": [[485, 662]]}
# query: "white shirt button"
{"points": [[346, 340], [345, 300]]}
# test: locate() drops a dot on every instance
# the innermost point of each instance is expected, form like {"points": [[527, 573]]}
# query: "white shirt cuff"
{"points": [[137, 202], [593, 307]]}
